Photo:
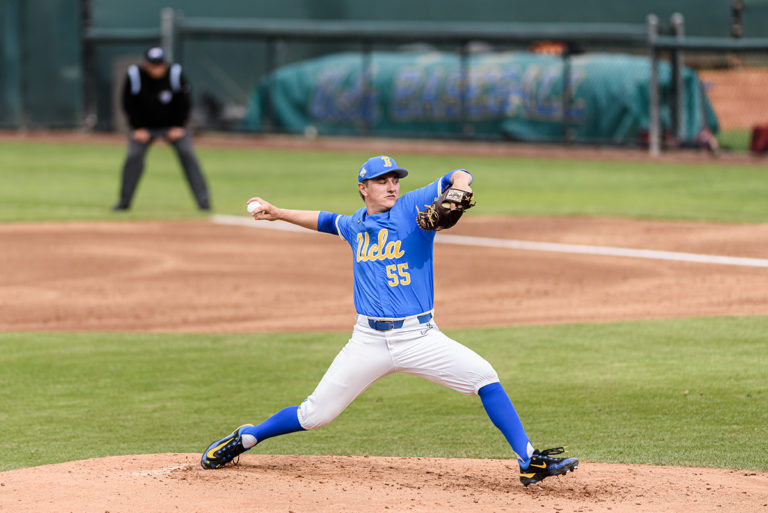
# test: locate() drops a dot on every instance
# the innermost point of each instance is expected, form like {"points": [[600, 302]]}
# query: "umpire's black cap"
{"points": [[155, 55]]}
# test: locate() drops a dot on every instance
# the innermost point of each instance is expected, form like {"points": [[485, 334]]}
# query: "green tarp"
{"points": [[510, 95]]}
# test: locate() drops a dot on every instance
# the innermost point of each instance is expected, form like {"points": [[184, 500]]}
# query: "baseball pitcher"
{"points": [[392, 240]]}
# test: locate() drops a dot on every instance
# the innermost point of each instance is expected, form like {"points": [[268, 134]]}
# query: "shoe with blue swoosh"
{"points": [[543, 465], [224, 450]]}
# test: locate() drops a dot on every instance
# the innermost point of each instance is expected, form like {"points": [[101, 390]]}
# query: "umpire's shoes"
{"points": [[224, 450], [543, 465], [120, 207]]}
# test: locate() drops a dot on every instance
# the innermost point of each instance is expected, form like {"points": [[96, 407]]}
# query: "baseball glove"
{"points": [[446, 210]]}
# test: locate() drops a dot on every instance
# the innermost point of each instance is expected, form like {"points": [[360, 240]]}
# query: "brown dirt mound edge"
{"points": [[176, 482]]}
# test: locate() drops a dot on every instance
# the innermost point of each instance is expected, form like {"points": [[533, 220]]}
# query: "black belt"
{"points": [[381, 325]]}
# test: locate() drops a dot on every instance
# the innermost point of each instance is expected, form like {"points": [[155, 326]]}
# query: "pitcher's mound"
{"points": [[333, 484]]}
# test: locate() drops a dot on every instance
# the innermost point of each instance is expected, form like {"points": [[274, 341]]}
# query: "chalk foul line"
{"points": [[552, 247]]}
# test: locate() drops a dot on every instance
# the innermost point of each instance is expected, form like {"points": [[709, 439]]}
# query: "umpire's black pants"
{"points": [[134, 167]]}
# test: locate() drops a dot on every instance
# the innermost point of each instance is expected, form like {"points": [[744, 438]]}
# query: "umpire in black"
{"points": [[156, 99]]}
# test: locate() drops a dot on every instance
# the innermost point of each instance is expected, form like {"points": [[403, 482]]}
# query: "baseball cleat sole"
{"points": [[539, 478]]}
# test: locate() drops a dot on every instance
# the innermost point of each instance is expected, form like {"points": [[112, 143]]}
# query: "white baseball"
{"points": [[253, 206]]}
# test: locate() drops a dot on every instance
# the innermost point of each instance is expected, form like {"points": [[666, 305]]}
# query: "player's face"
{"points": [[380, 193]]}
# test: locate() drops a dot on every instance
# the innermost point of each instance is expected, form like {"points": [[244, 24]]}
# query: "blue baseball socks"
{"points": [[503, 415], [281, 423]]}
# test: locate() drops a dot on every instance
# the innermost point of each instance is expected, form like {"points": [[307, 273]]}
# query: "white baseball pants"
{"points": [[415, 348]]}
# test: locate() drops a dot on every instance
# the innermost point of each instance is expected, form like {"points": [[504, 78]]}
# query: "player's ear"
{"points": [[362, 188]]}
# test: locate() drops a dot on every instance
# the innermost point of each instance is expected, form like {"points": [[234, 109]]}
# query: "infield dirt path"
{"points": [[197, 276]]}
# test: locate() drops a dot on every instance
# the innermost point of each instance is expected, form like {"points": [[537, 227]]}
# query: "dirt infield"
{"points": [[198, 276]]}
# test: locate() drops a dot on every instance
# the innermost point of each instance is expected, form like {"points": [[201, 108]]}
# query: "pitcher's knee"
{"points": [[484, 374], [311, 416]]}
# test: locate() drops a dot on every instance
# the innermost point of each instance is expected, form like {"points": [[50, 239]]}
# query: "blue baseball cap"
{"points": [[377, 166]]}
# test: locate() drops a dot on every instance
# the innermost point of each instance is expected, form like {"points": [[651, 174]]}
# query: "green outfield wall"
{"points": [[40, 59], [43, 82], [704, 17]]}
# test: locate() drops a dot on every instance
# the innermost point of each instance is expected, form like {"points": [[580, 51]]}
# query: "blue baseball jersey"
{"points": [[392, 256]]}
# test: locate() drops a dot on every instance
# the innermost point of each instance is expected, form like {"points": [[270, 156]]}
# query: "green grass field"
{"points": [[80, 181], [677, 392]]}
